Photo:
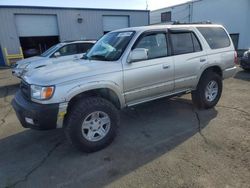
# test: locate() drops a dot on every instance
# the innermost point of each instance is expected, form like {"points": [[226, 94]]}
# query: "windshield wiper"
{"points": [[98, 57]]}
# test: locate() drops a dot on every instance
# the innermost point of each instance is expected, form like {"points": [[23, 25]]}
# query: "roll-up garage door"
{"points": [[36, 25], [111, 23]]}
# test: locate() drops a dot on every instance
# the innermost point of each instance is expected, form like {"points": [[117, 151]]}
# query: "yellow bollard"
{"points": [[9, 57]]}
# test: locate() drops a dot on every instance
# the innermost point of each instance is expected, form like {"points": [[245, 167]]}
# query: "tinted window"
{"points": [[156, 45], [197, 45], [68, 50], [184, 43], [216, 37], [235, 39], [84, 47]]}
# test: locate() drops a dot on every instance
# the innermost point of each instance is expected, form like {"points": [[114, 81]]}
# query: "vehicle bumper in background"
{"points": [[33, 115], [230, 72], [245, 63]]}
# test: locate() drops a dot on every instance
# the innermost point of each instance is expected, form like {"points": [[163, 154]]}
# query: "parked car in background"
{"points": [[245, 61], [57, 53], [125, 68]]}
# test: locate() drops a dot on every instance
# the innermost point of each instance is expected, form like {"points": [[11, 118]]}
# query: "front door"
{"points": [[151, 78], [67, 53]]}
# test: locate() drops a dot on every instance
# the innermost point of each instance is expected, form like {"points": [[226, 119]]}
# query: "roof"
{"points": [[164, 26], [79, 41], [76, 8]]}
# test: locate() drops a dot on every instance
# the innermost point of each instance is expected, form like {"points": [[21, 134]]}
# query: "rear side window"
{"points": [[184, 43], [216, 37]]}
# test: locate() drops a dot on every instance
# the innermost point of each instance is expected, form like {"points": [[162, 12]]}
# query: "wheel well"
{"points": [[215, 69], [105, 93]]}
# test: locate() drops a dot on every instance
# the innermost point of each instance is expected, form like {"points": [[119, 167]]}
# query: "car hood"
{"points": [[56, 73], [25, 62]]}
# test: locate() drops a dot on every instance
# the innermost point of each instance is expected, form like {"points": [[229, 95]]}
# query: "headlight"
{"points": [[42, 93], [246, 54]]}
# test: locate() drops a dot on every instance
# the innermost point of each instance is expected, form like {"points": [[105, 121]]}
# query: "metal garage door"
{"points": [[111, 23], [36, 25]]}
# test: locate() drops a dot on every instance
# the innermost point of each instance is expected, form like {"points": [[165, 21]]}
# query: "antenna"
{"points": [[146, 4]]}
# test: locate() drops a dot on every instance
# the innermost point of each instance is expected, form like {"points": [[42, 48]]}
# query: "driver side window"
{"points": [[155, 43]]}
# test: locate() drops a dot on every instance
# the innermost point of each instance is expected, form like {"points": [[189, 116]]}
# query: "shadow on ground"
{"points": [[243, 75], [8, 90], [42, 159]]}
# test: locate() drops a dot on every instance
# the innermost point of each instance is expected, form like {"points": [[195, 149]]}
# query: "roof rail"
{"points": [[193, 23], [69, 41]]}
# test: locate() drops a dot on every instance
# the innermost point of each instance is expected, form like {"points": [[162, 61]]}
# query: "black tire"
{"points": [[198, 96], [79, 112]]}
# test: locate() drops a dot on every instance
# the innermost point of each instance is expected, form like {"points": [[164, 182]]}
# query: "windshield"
{"points": [[110, 47], [51, 50]]}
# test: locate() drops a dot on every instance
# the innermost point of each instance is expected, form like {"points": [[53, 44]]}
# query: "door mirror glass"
{"points": [[138, 54], [57, 54]]}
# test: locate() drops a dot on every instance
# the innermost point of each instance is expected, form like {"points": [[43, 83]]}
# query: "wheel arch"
{"points": [[107, 91], [214, 68]]}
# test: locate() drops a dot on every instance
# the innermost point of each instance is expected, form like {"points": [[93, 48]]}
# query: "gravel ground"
{"points": [[165, 143]]}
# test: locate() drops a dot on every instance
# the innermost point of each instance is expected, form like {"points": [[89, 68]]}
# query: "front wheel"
{"points": [[209, 90], [92, 124]]}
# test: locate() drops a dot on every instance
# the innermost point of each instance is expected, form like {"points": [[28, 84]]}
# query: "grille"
{"points": [[25, 89]]}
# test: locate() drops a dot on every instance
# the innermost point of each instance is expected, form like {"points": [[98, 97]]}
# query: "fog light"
{"points": [[29, 121]]}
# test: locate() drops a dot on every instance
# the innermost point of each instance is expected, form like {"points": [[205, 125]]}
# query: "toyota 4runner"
{"points": [[125, 68]]}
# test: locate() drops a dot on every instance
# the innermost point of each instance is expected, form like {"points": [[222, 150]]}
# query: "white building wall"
{"points": [[233, 14], [68, 27], [180, 13]]}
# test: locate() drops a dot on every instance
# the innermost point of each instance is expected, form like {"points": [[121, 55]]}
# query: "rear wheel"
{"points": [[92, 124], [209, 90]]}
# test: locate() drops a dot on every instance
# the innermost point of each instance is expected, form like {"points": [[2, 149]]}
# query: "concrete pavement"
{"points": [[165, 143]]}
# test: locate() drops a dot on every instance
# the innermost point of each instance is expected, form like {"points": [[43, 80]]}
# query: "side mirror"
{"points": [[57, 54], [138, 54]]}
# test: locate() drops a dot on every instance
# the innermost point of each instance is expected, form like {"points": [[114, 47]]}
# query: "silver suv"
{"points": [[125, 68]]}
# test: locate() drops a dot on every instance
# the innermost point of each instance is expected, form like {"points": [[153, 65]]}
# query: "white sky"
{"points": [[124, 4]]}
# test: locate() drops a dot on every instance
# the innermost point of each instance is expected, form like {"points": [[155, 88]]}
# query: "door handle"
{"points": [[202, 60], [165, 66]]}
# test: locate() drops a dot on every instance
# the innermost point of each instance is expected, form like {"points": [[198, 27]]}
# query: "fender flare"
{"points": [[84, 87]]}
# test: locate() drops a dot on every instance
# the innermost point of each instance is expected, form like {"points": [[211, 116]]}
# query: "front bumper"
{"points": [[33, 115]]}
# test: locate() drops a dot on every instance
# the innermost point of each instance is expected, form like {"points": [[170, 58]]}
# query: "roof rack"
{"points": [[193, 23], [69, 41]]}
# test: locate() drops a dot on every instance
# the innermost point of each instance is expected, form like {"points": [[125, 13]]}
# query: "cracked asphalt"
{"points": [[165, 143]]}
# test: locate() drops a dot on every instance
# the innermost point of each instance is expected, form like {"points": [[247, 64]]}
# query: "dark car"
{"points": [[245, 61]]}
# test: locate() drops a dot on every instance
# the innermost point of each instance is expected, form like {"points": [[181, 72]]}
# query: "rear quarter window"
{"points": [[216, 37]]}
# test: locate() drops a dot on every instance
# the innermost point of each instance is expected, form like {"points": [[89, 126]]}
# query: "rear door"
{"points": [[188, 57]]}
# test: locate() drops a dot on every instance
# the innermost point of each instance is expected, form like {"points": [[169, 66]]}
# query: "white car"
{"points": [[58, 53]]}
